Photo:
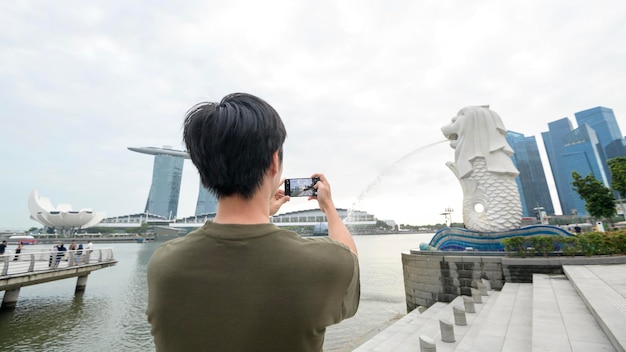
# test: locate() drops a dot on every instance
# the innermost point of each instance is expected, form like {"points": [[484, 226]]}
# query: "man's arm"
{"points": [[337, 230]]}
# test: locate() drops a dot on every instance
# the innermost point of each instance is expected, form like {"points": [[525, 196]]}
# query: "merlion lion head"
{"points": [[477, 131]]}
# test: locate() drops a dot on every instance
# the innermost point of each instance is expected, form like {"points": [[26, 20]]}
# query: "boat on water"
{"points": [[25, 239]]}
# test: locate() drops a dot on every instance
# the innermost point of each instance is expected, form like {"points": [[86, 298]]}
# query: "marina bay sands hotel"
{"points": [[165, 189], [166, 178]]}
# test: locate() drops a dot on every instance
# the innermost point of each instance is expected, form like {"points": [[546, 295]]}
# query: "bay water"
{"points": [[110, 314]]}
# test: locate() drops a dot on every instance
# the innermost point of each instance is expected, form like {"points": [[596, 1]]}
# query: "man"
{"points": [[3, 247], [240, 283], [60, 253]]}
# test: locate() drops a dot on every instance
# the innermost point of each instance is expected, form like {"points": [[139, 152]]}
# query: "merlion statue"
{"points": [[483, 165]]}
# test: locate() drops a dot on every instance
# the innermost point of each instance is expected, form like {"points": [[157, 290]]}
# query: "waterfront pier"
{"points": [[25, 269]]}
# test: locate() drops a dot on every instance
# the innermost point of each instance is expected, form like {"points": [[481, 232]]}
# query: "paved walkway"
{"points": [[583, 310]]}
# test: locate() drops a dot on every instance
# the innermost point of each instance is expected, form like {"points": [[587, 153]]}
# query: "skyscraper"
{"points": [[207, 202], [531, 182], [584, 150], [166, 177], [603, 122], [584, 155], [553, 142]]}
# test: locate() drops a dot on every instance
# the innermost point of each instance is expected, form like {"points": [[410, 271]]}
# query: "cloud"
{"points": [[359, 85]]}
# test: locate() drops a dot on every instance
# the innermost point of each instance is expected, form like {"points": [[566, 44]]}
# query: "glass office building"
{"points": [[603, 122], [584, 155], [553, 142], [584, 150], [531, 182]]}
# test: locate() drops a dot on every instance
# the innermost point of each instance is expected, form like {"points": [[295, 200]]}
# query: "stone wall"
{"points": [[431, 277]]}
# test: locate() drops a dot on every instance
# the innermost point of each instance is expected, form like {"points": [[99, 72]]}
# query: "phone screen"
{"points": [[300, 187]]}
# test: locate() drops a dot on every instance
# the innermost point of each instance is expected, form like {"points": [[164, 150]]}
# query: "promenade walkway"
{"points": [[583, 310], [31, 268]]}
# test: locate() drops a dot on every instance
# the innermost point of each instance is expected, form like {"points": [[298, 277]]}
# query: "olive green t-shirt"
{"points": [[249, 288]]}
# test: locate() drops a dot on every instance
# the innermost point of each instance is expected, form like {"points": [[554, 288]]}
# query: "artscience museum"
{"points": [[62, 216]]}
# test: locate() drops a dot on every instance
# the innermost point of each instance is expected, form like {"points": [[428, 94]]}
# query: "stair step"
{"points": [[464, 335], [602, 289], [561, 321], [518, 335], [507, 326], [432, 330], [395, 334]]}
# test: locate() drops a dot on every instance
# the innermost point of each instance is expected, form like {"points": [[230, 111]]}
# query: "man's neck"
{"points": [[236, 210]]}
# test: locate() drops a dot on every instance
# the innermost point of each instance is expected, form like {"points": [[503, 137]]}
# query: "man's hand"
{"points": [[324, 197], [337, 230], [278, 200]]}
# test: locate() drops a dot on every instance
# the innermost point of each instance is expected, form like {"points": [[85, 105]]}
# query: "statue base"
{"points": [[458, 239]]}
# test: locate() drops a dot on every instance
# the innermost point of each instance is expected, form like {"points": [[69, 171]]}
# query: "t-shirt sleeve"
{"points": [[353, 293]]}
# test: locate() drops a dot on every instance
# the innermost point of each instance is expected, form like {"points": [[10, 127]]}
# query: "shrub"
{"points": [[516, 244], [569, 245], [591, 243], [543, 244]]}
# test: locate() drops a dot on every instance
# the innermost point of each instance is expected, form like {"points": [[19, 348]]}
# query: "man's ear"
{"points": [[275, 166]]}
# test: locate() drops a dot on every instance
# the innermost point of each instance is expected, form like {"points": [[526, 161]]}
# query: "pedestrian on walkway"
{"points": [[60, 253], [18, 250]]}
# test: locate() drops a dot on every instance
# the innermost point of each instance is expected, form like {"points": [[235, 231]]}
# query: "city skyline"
{"points": [[532, 182]]}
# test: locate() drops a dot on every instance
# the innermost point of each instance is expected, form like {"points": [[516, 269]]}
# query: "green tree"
{"points": [[618, 174], [599, 201], [617, 166]]}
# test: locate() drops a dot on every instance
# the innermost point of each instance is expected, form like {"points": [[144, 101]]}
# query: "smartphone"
{"points": [[300, 187]]}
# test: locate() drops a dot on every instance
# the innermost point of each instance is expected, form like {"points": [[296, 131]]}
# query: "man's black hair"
{"points": [[232, 143]]}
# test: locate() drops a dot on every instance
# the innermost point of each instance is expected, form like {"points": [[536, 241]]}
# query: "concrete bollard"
{"points": [[487, 283], [476, 296], [482, 288], [422, 309], [447, 330], [468, 302], [459, 316], [427, 344]]}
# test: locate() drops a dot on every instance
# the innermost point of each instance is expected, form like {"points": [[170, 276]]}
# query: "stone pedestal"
{"points": [[459, 316], [468, 302], [482, 288], [447, 330], [476, 296], [427, 344]]}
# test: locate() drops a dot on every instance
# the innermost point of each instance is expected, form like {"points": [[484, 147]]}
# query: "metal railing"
{"points": [[28, 262]]}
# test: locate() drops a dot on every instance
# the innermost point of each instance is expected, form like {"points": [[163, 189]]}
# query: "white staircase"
{"points": [[583, 310]]}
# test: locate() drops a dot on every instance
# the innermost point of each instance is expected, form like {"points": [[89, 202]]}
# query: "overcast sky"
{"points": [[362, 86]]}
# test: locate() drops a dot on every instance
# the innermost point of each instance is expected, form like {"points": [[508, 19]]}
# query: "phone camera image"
{"points": [[300, 187]]}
